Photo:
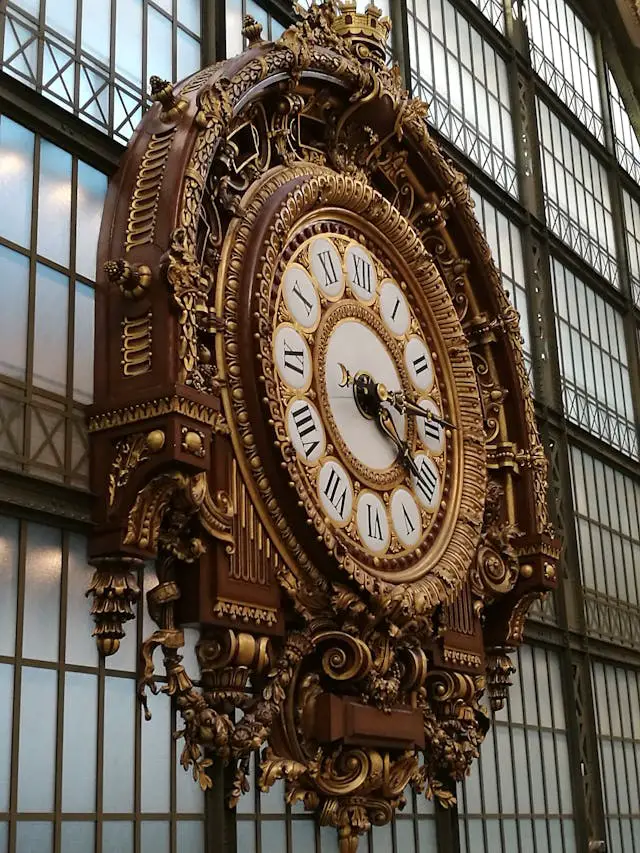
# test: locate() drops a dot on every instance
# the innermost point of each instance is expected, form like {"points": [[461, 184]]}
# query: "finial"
{"points": [[252, 30], [133, 280], [162, 93]]}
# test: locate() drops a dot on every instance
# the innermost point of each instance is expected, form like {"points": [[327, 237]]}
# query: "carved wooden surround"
{"points": [[353, 687]]}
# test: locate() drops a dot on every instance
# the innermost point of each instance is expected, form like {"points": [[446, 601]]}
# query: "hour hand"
{"points": [[387, 425], [400, 403]]}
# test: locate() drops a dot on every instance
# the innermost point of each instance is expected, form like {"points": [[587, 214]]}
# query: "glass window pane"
{"points": [[156, 750], [118, 744], [42, 592], [36, 837], [117, 836], [154, 836], [16, 177], [92, 189], [159, 45], [79, 765], [78, 836], [9, 551], [6, 715], [54, 203], [50, 336], [37, 749], [190, 836], [83, 333], [188, 55], [14, 295], [189, 14]]}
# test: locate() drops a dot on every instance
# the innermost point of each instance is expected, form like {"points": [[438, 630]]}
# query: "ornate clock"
{"points": [[312, 411]]}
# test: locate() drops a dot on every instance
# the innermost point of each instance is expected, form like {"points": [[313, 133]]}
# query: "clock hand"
{"points": [[387, 425], [400, 403]]}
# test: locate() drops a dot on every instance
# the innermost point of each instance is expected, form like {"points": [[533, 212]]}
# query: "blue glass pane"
{"points": [[159, 45], [188, 55], [37, 758], [83, 332], [42, 592], [190, 836], [78, 837], [34, 837], [16, 176], [117, 836], [129, 40], [118, 744], [92, 188], [50, 340], [14, 297], [155, 837], [60, 15], [8, 584], [80, 727], [96, 28], [233, 22], [4, 837], [54, 203], [6, 703], [189, 14], [156, 751], [80, 647]]}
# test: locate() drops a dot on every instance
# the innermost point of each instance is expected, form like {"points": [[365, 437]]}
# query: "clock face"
{"points": [[359, 375]]}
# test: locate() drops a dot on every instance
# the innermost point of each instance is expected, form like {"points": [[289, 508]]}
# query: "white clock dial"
{"points": [[301, 297], [431, 432], [419, 365], [394, 309], [326, 267], [372, 522], [359, 348], [361, 273], [406, 517], [305, 430], [335, 491], [427, 484], [292, 356]]}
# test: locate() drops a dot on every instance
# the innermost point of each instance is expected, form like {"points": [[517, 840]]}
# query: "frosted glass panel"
{"points": [[117, 837], [42, 593], [14, 297], [273, 800], [80, 645], [246, 836], [190, 836], [9, 546], [189, 14], [159, 45], [155, 837], [83, 334], [54, 203], [34, 837], [6, 700], [96, 27], [36, 762], [92, 188], [303, 835], [78, 837], [405, 836], [119, 718], [60, 15], [156, 749], [16, 170], [188, 55], [4, 837], [50, 345], [129, 40], [79, 766], [274, 835]]}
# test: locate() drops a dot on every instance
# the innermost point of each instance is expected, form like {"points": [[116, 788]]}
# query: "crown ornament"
{"points": [[367, 32]]}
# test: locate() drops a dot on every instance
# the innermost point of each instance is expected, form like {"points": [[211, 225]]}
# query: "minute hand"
{"points": [[402, 405]]}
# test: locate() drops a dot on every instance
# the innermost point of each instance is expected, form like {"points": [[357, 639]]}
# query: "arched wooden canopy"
{"points": [[176, 464]]}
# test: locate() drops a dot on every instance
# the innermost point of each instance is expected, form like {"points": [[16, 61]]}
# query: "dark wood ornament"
{"points": [[357, 674]]}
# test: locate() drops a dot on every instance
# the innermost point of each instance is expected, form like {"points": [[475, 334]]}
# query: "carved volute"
{"points": [[312, 412]]}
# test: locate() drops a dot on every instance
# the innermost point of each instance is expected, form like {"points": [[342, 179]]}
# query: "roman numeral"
{"points": [[395, 309], [426, 481], [431, 429], [410, 526], [331, 490], [373, 522], [293, 359], [328, 268], [305, 425], [308, 305], [362, 273], [420, 364]]}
